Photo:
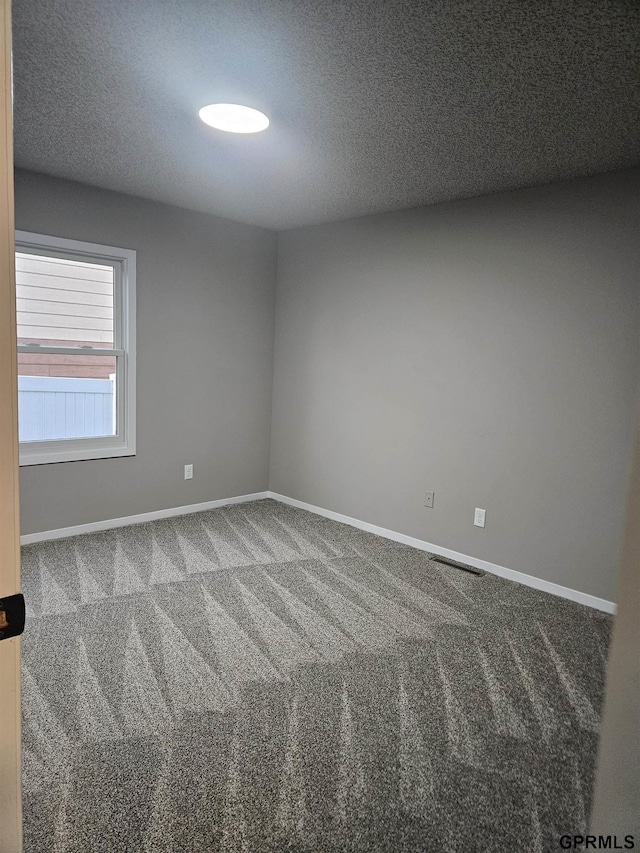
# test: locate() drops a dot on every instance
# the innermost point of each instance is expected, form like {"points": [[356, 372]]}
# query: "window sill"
{"points": [[48, 453]]}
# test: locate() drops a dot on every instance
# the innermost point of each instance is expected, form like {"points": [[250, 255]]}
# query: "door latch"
{"points": [[12, 612]]}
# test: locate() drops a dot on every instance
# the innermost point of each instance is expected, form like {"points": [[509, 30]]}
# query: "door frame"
{"points": [[10, 730]]}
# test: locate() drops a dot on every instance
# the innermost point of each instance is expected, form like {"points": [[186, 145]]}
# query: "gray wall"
{"points": [[486, 349], [204, 332]]}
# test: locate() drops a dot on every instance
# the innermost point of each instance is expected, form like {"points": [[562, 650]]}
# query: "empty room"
{"points": [[319, 384]]}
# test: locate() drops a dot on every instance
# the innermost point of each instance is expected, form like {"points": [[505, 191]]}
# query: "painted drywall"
{"points": [[485, 349], [205, 290]]}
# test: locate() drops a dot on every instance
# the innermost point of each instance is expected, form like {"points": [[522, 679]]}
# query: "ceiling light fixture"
{"points": [[234, 118]]}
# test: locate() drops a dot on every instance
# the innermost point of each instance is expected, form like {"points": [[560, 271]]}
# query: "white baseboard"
{"points": [[501, 571], [108, 524]]}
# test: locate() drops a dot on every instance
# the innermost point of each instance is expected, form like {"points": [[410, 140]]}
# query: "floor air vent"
{"points": [[456, 565]]}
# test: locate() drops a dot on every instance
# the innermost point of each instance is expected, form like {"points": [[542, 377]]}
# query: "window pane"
{"points": [[64, 302], [66, 396]]}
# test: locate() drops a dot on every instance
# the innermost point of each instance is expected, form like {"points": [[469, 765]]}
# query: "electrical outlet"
{"points": [[188, 472], [479, 517], [428, 499]]}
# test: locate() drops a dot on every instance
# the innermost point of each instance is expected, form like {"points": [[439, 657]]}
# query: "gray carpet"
{"points": [[258, 678]]}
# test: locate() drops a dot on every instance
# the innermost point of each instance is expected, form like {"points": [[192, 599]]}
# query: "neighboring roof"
{"points": [[374, 104]]}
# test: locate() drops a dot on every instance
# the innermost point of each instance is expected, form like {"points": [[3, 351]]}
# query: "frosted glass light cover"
{"points": [[234, 118]]}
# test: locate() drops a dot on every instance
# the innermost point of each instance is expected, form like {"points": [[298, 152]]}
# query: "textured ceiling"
{"points": [[374, 104]]}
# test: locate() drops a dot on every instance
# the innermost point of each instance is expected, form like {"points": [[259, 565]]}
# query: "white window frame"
{"points": [[124, 349]]}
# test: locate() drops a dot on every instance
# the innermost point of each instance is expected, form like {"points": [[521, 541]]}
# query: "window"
{"points": [[75, 306]]}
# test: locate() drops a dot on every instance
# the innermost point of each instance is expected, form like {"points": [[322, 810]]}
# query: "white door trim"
{"points": [[10, 731]]}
